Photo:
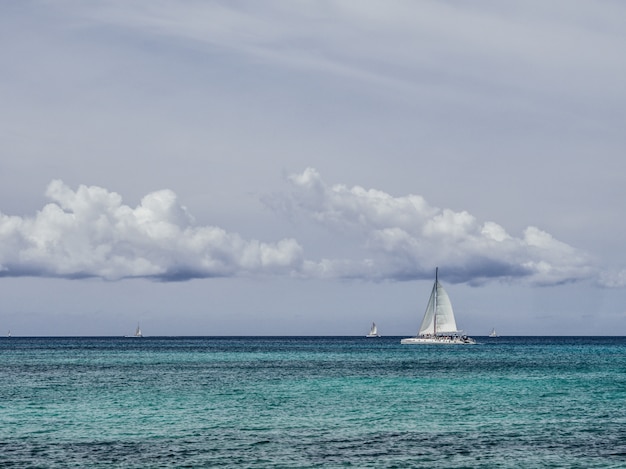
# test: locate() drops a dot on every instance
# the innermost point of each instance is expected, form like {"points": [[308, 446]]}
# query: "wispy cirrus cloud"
{"points": [[407, 46]]}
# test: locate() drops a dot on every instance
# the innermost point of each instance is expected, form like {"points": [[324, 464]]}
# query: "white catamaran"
{"points": [[438, 325], [373, 331]]}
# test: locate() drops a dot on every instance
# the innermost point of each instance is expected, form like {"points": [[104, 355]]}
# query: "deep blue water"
{"points": [[312, 402]]}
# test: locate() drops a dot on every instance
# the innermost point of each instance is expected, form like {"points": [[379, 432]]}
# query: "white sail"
{"points": [[137, 333], [373, 331], [439, 316]]}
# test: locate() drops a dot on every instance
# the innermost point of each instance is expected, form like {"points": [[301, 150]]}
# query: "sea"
{"points": [[307, 402]]}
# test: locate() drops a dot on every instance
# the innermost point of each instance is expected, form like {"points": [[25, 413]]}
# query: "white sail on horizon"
{"points": [[373, 331]]}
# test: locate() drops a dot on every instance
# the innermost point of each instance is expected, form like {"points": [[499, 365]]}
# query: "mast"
{"points": [[435, 311]]}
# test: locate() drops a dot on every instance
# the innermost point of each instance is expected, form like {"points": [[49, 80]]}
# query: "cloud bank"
{"points": [[405, 237], [91, 233]]}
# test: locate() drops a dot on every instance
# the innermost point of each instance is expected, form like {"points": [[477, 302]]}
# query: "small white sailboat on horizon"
{"points": [[493, 333], [137, 333], [438, 325], [373, 331]]}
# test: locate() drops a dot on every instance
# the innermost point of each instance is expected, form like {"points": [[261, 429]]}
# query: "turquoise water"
{"points": [[312, 402]]}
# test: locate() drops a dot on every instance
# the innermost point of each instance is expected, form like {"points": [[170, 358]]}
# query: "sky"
{"points": [[301, 168]]}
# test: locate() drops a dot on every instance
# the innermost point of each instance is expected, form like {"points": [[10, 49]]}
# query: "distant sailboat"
{"points": [[137, 332], [493, 333], [373, 331], [438, 325], [9, 334]]}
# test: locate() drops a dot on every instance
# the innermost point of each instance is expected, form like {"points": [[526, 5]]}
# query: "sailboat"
{"points": [[137, 332], [493, 333], [438, 325], [373, 331]]}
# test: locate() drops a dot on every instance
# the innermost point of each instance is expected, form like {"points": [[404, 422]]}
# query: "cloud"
{"points": [[405, 237], [360, 40], [91, 233], [613, 279]]}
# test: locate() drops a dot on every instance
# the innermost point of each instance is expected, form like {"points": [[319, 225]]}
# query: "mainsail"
{"points": [[137, 333], [373, 331], [439, 316]]}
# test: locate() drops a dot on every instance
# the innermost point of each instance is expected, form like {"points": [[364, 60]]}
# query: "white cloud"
{"points": [[360, 40], [405, 237], [613, 279], [91, 233]]}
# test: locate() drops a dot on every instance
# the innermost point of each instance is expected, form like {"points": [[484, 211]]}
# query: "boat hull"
{"points": [[438, 341]]}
